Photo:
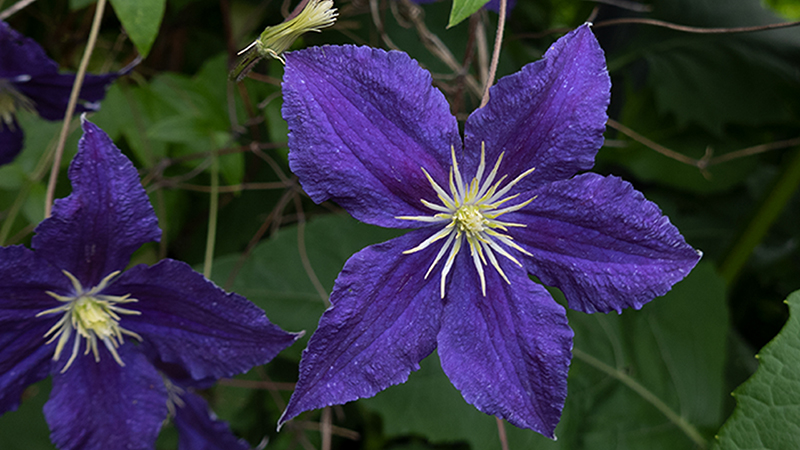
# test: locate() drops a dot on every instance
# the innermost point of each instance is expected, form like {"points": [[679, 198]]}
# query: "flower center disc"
{"points": [[469, 213], [93, 316], [469, 219]]}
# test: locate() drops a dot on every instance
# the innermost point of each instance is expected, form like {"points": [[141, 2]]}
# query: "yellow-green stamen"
{"points": [[470, 212], [93, 315], [11, 101]]}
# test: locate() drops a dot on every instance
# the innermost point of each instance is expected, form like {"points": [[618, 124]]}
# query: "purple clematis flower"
{"points": [[30, 80], [123, 347], [369, 131]]}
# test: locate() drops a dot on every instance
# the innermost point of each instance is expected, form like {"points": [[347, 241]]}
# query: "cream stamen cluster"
{"points": [[470, 213], [93, 316]]}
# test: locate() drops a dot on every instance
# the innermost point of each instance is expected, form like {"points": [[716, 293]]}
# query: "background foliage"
{"points": [[684, 105]]}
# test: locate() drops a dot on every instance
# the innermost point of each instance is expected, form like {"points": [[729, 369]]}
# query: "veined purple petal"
{"points": [[362, 123], [108, 216], [20, 55], [11, 141], [24, 357], [191, 322], [23, 361], [550, 115], [508, 352], [50, 93], [199, 428], [602, 243], [102, 406], [383, 322]]}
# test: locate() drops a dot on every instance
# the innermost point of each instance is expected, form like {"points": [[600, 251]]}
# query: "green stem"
{"points": [[648, 396], [73, 100], [760, 224], [212, 217]]}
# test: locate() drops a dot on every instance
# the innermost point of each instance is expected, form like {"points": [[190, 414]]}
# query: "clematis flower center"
{"points": [[469, 213], [92, 316], [11, 101]]}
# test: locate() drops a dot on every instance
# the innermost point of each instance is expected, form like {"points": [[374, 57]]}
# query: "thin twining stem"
{"points": [[73, 100], [708, 159], [16, 7], [498, 42], [664, 24], [643, 392]]}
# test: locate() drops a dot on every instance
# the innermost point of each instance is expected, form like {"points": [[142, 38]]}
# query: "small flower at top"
{"points": [[368, 130], [29, 80], [123, 347], [309, 15]]}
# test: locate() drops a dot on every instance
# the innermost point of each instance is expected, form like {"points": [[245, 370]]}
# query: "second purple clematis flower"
{"points": [[368, 131], [123, 347], [30, 80]]}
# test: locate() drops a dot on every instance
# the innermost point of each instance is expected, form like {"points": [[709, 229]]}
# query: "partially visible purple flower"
{"points": [[115, 342], [368, 130], [30, 80]]}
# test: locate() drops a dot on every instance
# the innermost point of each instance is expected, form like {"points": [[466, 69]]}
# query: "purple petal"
{"points": [[50, 92], [362, 123], [23, 361], [24, 357], [102, 406], [199, 428], [383, 322], [508, 352], [602, 243], [108, 216], [20, 55], [11, 141], [550, 115], [190, 322]]}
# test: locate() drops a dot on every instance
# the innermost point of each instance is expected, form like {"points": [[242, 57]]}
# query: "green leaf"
{"points": [[719, 79], [673, 350], [767, 413], [25, 428], [75, 5], [141, 19], [463, 9]]}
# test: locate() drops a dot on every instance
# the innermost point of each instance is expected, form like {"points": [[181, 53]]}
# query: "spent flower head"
{"points": [[124, 347], [368, 131]]}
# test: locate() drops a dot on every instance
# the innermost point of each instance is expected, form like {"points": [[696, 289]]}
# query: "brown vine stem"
{"points": [[697, 30], [498, 42], [301, 247], [708, 159], [73, 100], [16, 7], [501, 432], [664, 24]]}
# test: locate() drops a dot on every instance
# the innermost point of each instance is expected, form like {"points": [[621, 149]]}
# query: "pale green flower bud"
{"points": [[316, 15]]}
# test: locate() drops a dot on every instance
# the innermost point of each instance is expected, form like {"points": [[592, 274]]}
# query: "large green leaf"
{"points": [[25, 428], [720, 79], [669, 355], [767, 414], [463, 9], [141, 19]]}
